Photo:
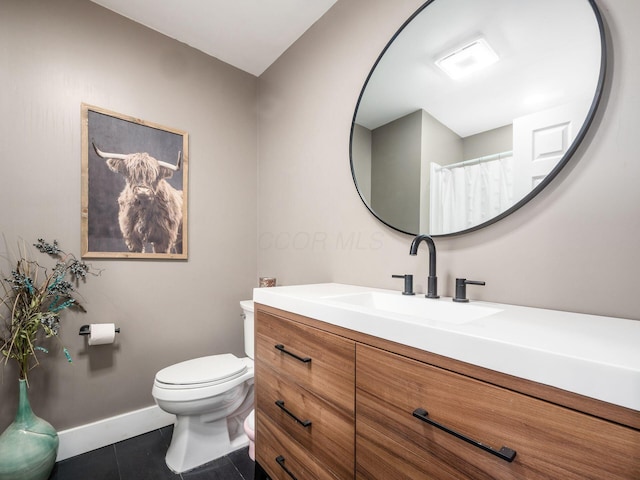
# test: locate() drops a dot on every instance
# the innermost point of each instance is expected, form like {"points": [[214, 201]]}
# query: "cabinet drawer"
{"points": [[551, 442], [284, 459], [320, 362], [323, 430]]}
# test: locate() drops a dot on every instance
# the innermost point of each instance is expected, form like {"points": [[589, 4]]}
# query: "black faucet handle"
{"points": [[408, 283], [461, 288]]}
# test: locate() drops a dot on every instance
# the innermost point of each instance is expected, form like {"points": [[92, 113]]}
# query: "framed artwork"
{"points": [[134, 187]]}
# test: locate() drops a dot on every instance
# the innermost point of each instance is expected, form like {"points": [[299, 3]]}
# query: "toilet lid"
{"points": [[203, 371]]}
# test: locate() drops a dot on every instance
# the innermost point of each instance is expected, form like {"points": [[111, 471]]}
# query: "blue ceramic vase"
{"points": [[29, 446]]}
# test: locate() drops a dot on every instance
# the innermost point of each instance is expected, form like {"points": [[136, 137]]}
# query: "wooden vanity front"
{"points": [[366, 400], [305, 399]]}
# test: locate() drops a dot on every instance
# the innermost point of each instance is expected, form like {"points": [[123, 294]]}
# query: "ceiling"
{"points": [[541, 43], [248, 34]]}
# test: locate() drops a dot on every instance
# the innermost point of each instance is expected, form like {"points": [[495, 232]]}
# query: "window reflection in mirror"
{"points": [[441, 155]]}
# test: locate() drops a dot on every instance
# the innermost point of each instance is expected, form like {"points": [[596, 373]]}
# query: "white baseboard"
{"points": [[85, 438]]}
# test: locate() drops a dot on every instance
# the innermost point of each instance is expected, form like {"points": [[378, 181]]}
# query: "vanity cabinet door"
{"points": [[305, 398], [318, 361], [283, 458], [550, 441], [324, 431]]}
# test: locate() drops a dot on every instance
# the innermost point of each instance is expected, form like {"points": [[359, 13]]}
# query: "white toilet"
{"points": [[211, 398]]}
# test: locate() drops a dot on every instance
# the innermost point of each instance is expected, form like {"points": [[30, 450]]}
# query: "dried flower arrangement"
{"points": [[34, 299]]}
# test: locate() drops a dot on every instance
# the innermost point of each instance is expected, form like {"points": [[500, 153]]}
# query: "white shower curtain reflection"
{"points": [[468, 193]]}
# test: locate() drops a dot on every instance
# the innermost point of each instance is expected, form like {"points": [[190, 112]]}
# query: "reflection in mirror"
{"points": [[473, 108]]}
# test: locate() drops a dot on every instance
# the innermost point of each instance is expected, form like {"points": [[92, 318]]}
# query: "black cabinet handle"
{"points": [[504, 453], [304, 423], [280, 460], [297, 357]]}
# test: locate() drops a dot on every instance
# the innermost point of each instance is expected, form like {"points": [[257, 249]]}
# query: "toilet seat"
{"points": [[201, 372]]}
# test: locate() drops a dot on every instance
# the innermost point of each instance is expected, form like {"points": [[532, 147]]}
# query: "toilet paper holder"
{"points": [[86, 330]]}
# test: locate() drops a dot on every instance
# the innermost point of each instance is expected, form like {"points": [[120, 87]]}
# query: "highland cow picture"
{"points": [[134, 187]]}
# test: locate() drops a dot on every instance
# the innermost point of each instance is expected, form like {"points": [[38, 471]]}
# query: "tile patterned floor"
{"points": [[142, 458]]}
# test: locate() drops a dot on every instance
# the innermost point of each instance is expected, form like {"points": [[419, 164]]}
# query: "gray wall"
{"points": [[53, 56], [396, 158], [395, 165], [361, 158], [440, 144], [574, 247], [493, 141]]}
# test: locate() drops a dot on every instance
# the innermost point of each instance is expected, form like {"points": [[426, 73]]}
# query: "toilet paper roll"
{"points": [[102, 333]]}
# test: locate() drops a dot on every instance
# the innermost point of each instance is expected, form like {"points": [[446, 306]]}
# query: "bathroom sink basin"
{"points": [[416, 306]]}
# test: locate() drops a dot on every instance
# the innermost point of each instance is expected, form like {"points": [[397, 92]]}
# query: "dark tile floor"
{"points": [[142, 458]]}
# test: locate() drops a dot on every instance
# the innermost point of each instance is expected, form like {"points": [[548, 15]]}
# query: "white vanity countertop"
{"points": [[595, 356]]}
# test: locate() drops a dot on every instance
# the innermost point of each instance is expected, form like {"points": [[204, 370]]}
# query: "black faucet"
{"points": [[408, 283], [432, 281], [461, 289]]}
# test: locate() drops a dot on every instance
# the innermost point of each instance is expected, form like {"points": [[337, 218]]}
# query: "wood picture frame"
{"points": [[134, 187]]}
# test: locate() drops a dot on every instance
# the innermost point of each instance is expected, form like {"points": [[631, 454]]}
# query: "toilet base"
{"points": [[249, 430], [195, 443], [200, 439]]}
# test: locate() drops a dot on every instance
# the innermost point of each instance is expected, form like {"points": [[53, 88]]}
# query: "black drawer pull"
{"points": [[504, 453], [280, 460], [297, 357], [304, 423]]}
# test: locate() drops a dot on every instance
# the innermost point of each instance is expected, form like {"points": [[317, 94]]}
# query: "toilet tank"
{"points": [[247, 315]]}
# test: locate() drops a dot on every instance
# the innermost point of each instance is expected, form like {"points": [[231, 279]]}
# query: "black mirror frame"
{"points": [[550, 176]]}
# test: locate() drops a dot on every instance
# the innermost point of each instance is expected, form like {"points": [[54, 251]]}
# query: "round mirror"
{"points": [[472, 108]]}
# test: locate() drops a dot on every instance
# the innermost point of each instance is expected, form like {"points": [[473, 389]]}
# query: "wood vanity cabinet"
{"points": [[305, 398], [420, 416], [548, 441]]}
